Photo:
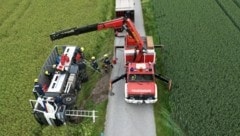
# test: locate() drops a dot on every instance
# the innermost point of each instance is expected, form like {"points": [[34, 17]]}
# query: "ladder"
{"points": [[82, 113]]}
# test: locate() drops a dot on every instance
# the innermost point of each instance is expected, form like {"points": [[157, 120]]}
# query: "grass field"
{"points": [[202, 57], [165, 126], [25, 26]]}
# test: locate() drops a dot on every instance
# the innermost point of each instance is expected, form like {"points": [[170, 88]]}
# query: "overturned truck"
{"points": [[57, 87]]}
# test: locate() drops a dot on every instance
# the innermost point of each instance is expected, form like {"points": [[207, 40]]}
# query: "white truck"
{"points": [[56, 106], [125, 8]]}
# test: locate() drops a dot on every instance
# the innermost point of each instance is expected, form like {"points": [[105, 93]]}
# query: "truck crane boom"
{"points": [[124, 23], [139, 58]]}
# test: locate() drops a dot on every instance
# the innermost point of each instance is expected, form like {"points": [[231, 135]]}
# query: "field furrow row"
{"points": [[231, 10]]}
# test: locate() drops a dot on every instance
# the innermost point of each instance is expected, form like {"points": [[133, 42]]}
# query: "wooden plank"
{"points": [[150, 44]]}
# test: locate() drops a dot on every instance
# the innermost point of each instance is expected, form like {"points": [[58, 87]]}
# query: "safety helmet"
{"points": [[35, 80], [54, 66], [46, 72], [105, 55], [93, 58], [82, 49]]}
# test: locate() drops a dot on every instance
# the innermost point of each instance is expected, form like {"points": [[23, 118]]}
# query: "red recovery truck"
{"points": [[139, 56]]}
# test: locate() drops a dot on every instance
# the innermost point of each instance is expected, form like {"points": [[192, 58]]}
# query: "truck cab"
{"points": [[140, 86], [47, 112]]}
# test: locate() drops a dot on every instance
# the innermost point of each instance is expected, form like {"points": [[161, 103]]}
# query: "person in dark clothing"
{"points": [[49, 75], [107, 61], [78, 55], [94, 64], [38, 88], [81, 53], [58, 59], [107, 65]]}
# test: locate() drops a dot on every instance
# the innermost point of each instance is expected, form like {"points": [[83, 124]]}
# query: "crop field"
{"points": [[163, 121], [201, 55], [25, 26]]}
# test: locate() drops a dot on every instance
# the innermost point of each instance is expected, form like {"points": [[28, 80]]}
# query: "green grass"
{"points": [[24, 40], [7, 8], [164, 124], [201, 56]]}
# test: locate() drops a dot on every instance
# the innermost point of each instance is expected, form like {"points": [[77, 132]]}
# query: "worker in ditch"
{"points": [[107, 61], [81, 52], [78, 56], [38, 88], [49, 75], [94, 64]]}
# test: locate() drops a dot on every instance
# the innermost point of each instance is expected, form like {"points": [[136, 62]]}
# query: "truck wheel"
{"points": [[81, 66], [69, 99], [84, 77], [78, 86]]}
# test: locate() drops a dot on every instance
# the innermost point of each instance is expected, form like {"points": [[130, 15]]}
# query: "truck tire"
{"points": [[69, 99], [81, 66], [78, 86], [83, 75]]}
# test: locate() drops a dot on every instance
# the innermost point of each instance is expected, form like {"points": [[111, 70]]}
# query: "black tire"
{"points": [[69, 99], [83, 76], [78, 86], [81, 66]]}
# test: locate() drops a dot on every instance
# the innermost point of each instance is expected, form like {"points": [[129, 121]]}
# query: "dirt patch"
{"points": [[100, 92]]}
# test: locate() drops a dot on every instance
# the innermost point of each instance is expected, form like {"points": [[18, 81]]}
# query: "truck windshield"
{"points": [[140, 77]]}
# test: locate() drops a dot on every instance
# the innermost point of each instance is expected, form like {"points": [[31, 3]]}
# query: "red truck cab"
{"points": [[140, 86]]}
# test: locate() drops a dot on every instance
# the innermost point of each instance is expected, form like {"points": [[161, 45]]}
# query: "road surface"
{"points": [[123, 119]]}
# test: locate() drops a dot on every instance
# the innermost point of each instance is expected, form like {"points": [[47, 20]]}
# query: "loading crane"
{"points": [[139, 57]]}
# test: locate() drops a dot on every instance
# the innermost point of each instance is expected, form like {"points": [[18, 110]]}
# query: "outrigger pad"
{"points": [[165, 79]]}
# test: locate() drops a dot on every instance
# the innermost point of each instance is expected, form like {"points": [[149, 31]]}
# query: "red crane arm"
{"points": [[124, 23], [128, 25]]}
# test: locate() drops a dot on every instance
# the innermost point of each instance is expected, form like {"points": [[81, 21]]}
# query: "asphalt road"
{"points": [[123, 119]]}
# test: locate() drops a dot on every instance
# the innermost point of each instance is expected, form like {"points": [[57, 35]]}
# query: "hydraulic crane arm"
{"points": [[124, 23], [73, 31]]}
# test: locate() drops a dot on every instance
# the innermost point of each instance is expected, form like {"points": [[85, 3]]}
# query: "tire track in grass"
{"points": [[23, 12], [228, 14], [8, 13], [12, 19]]}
